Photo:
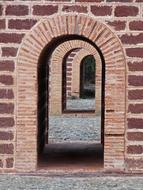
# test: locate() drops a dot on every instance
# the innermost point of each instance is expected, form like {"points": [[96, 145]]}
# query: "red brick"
{"points": [[59, 0], [118, 25], [69, 69], [135, 66], [1, 163], [75, 8], [134, 52], [101, 10], [2, 24], [6, 135], [134, 163], [1, 9], [134, 80], [6, 93], [135, 95], [6, 122], [7, 65], [122, 1], [135, 136], [135, 149], [9, 162], [9, 51], [6, 149], [136, 25], [44, 10], [139, 1], [21, 24], [6, 79], [132, 39], [6, 108], [88, 1], [17, 10], [135, 123], [125, 11], [10, 38], [135, 108]]}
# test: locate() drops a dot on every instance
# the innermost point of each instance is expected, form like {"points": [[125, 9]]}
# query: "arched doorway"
{"points": [[87, 77], [109, 47]]}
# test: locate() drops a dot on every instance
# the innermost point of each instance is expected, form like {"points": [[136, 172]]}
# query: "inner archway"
{"points": [[27, 64], [55, 64], [87, 77]]}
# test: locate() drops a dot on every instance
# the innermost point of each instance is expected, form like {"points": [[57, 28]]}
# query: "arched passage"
{"points": [[87, 76], [27, 64], [75, 82], [57, 59]]}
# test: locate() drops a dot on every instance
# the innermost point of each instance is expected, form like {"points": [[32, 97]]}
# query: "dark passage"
{"points": [[72, 157]]}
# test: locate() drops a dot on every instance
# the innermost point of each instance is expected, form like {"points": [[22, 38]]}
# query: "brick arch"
{"points": [[56, 70], [75, 86], [27, 63]]}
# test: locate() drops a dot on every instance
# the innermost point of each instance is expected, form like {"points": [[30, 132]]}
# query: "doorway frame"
{"points": [[115, 82]]}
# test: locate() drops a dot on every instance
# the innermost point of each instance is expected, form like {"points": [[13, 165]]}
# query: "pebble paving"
{"points": [[68, 128], [15, 182]]}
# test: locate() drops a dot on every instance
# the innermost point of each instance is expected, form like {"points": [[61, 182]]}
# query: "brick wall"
{"points": [[17, 17]]}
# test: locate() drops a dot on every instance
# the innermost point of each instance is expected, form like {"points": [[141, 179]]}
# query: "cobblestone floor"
{"points": [[12, 182]]}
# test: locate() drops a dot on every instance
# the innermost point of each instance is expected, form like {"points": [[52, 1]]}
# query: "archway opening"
{"points": [[66, 140], [103, 40], [87, 78]]}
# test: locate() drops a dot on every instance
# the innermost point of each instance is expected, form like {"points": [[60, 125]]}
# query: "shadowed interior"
{"points": [[74, 156]]}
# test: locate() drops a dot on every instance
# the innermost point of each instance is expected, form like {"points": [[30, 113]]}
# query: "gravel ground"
{"points": [[81, 104], [12, 182], [69, 128]]}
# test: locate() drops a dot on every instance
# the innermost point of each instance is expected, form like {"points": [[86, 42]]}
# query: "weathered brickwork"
{"points": [[21, 27]]}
